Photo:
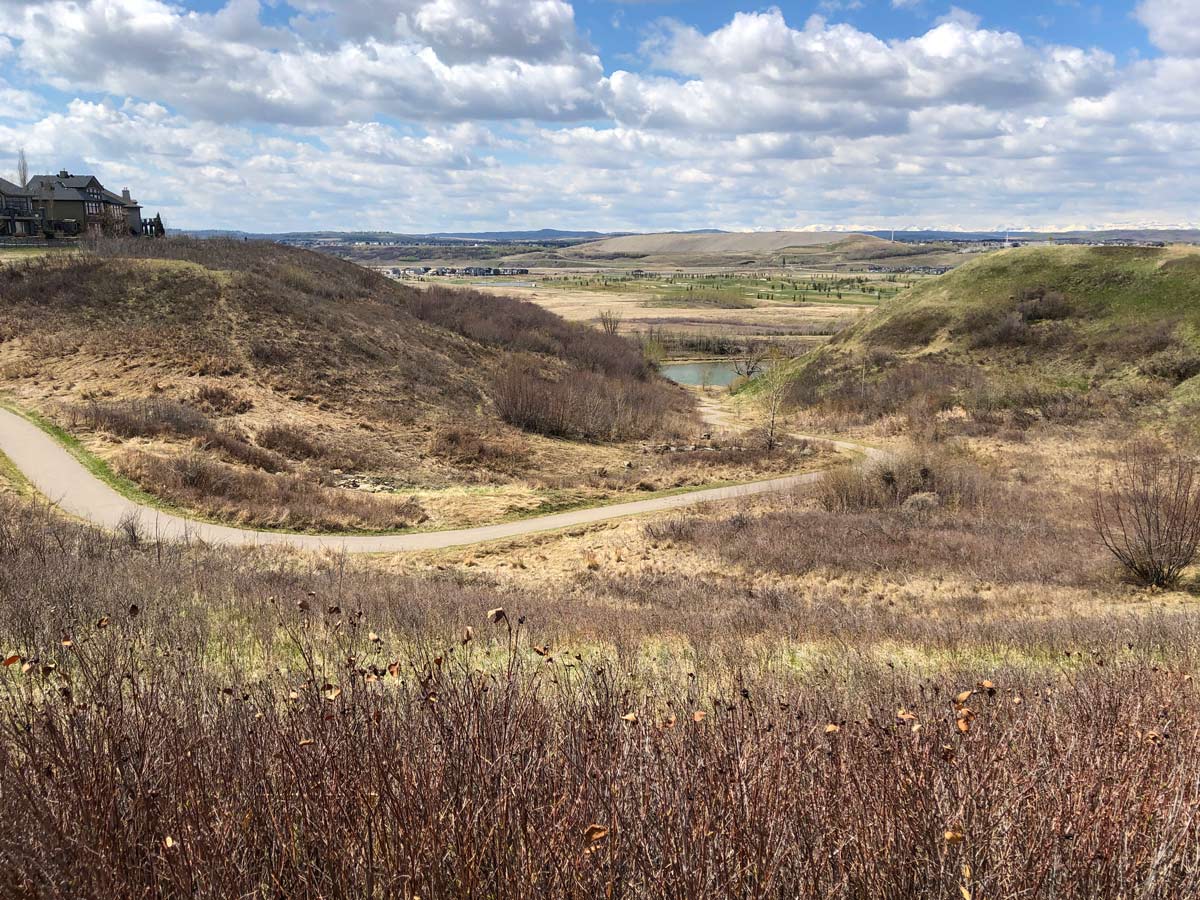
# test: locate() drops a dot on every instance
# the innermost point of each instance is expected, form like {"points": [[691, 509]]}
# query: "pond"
{"points": [[714, 374]]}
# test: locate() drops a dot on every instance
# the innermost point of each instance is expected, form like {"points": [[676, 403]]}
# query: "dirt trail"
{"points": [[65, 481]]}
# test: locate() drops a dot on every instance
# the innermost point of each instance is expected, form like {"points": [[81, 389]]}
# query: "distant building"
{"points": [[80, 204], [17, 217]]}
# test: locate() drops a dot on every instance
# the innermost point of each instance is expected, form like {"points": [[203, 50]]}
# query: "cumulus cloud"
{"points": [[1174, 25], [515, 59], [454, 114]]}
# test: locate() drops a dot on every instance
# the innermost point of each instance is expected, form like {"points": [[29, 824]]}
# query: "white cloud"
{"points": [[959, 16], [454, 114], [517, 59], [760, 74], [1174, 25]]}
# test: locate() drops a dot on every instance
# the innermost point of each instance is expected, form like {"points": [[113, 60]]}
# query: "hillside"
{"points": [[1049, 332], [766, 248], [275, 386], [753, 242]]}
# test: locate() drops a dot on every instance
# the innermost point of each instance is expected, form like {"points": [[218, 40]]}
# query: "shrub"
{"points": [[264, 499], [582, 405], [1176, 364], [289, 441], [1148, 513], [216, 399], [144, 418], [890, 483], [464, 446], [522, 327]]}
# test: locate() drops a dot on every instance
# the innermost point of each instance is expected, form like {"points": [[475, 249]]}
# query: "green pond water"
{"points": [[714, 374]]}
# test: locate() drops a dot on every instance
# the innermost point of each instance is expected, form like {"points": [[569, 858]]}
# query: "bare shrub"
{"points": [[464, 446], [1147, 513], [149, 417], [582, 404], [203, 722], [217, 399], [237, 448], [524, 327], [889, 483], [610, 322], [266, 500], [291, 442]]}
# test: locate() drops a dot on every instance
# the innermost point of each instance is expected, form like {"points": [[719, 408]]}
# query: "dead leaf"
{"points": [[963, 697], [699, 716], [468, 635], [595, 833], [903, 715], [374, 638], [954, 836], [832, 728], [630, 717], [307, 742], [168, 842], [497, 614], [333, 693], [11, 660], [103, 622]]}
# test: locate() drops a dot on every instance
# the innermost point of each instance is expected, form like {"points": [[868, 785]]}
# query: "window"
{"points": [[93, 209]]}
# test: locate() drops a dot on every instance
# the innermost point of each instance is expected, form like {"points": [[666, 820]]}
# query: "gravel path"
{"points": [[66, 482]]}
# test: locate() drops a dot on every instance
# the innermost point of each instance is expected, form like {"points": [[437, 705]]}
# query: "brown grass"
{"points": [[260, 499], [920, 513], [194, 722]]}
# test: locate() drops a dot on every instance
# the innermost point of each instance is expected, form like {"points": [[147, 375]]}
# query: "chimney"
{"points": [[125, 195], [64, 174]]}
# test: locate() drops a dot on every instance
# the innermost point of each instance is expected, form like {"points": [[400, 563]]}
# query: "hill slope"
{"points": [[755, 242], [251, 380], [1057, 332]]}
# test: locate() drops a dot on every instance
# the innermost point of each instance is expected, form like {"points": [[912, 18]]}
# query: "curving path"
{"points": [[66, 482]]}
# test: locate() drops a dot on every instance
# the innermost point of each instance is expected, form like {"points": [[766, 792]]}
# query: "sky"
{"points": [[614, 115]]}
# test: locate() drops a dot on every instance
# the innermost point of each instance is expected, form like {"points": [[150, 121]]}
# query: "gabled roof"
{"points": [[47, 186], [78, 182], [118, 199], [8, 189]]}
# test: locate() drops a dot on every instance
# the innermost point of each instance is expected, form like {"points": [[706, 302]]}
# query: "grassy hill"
{"points": [[768, 248], [276, 386], [1049, 332]]}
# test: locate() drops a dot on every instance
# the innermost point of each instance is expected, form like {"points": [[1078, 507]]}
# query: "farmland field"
{"points": [[706, 313]]}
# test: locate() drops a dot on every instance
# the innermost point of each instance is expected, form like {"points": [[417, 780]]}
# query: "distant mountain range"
{"points": [[542, 235], [551, 235], [1168, 235]]}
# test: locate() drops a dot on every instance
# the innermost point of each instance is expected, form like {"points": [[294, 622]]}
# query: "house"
{"points": [[17, 217], [76, 204]]}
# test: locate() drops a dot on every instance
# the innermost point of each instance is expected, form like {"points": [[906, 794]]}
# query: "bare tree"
{"points": [[22, 168], [1148, 513], [774, 399], [752, 360], [610, 321]]}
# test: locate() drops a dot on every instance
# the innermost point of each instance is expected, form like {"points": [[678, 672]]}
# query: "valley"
{"points": [[628, 569]]}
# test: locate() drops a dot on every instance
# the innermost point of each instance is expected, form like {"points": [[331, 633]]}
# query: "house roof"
{"points": [[79, 182], [74, 187], [8, 189], [117, 198]]}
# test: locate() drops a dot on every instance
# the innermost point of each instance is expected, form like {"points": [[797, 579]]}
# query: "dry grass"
{"points": [[192, 722], [287, 362], [261, 499]]}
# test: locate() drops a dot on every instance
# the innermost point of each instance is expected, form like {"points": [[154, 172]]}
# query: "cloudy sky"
{"points": [[430, 115]]}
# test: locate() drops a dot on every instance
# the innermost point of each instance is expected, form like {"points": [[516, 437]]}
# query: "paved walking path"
{"points": [[59, 476]]}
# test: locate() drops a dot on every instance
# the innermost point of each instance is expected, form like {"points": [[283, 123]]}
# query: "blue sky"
{"points": [[422, 115]]}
